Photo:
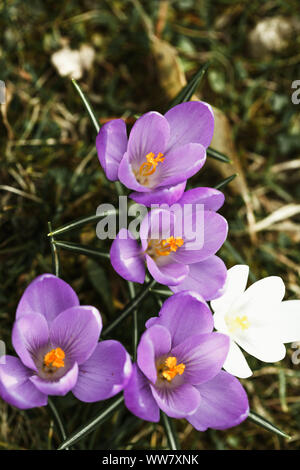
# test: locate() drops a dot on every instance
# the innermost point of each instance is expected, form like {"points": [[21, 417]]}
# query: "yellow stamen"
{"points": [[55, 358], [166, 246], [170, 369], [238, 323], [149, 166]]}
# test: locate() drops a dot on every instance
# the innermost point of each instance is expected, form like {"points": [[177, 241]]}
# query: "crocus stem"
{"points": [[87, 105], [80, 222], [95, 422], [163, 293], [130, 308], [81, 249], [225, 182], [266, 424], [170, 432], [57, 419], [54, 251]]}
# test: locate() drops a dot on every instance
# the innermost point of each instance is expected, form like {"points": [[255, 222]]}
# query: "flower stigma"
{"points": [[149, 166], [169, 369]]}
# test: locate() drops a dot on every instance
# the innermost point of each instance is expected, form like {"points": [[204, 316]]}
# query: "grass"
{"points": [[49, 171]]}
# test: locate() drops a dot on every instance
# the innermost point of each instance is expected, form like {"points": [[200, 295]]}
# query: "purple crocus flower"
{"points": [[161, 153], [181, 263], [178, 369], [56, 340]]}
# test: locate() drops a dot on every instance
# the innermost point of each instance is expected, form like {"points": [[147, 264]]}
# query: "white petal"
{"points": [[263, 343], [236, 282], [236, 363], [289, 321]]}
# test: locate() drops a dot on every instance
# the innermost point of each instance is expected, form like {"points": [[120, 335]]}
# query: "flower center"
{"points": [[238, 323], [149, 166], [169, 369], [54, 358], [164, 247]]}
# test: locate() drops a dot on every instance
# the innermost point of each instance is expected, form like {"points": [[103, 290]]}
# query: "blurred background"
{"points": [[130, 57]]}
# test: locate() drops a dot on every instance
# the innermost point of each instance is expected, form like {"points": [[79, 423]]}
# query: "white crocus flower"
{"points": [[256, 319]]}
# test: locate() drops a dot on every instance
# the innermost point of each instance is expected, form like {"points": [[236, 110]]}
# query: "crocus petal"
{"points": [[58, 387], [47, 295], [203, 356], [185, 314], [211, 198], [178, 402], [165, 195], [206, 277], [192, 121], [180, 164], [263, 343], [150, 133], [111, 144], [157, 224], [127, 258], [15, 386], [138, 397], [203, 245], [235, 285], [154, 343], [169, 273], [104, 374], [77, 331], [236, 363], [223, 404], [127, 177], [29, 334], [289, 321]]}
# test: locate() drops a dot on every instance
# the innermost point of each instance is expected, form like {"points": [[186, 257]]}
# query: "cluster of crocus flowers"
{"points": [[180, 262], [56, 340], [178, 369], [256, 319], [161, 153]]}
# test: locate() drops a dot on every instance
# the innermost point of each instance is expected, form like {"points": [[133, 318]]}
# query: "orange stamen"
{"points": [[171, 369], [149, 166], [55, 358], [168, 245]]}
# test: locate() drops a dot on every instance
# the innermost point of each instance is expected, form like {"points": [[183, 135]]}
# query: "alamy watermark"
{"points": [[296, 94], [185, 221], [2, 352]]}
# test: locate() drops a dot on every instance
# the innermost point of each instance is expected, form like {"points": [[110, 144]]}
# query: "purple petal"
{"points": [[127, 258], [166, 195], [127, 177], [203, 356], [178, 402], [207, 278], [190, 122], [211, 198], [111, 144], [29, 334], [58, 387], [180, 164], [154, 343], [169, 273], [223, 404], [104, 374], [214, 233], [185, 314], [47, 295], [157, 224], [138, 397], [15, 386], [76, 331], [150, 133]]}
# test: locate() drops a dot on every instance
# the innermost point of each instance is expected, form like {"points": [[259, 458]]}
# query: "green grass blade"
{"points": [[80, 222], [226, 181], [55, 255], [255, 418], [87, 105], [190, 88], [81, 249], [217, 155], [170, 432]]}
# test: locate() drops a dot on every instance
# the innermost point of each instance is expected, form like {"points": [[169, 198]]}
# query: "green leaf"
{"points": [[87, 105], [83, 431], [225, 182], [257, 419], [217, 155], [81, 249], [170, 432], [55, 255], [79, 223], [190, 88]]}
